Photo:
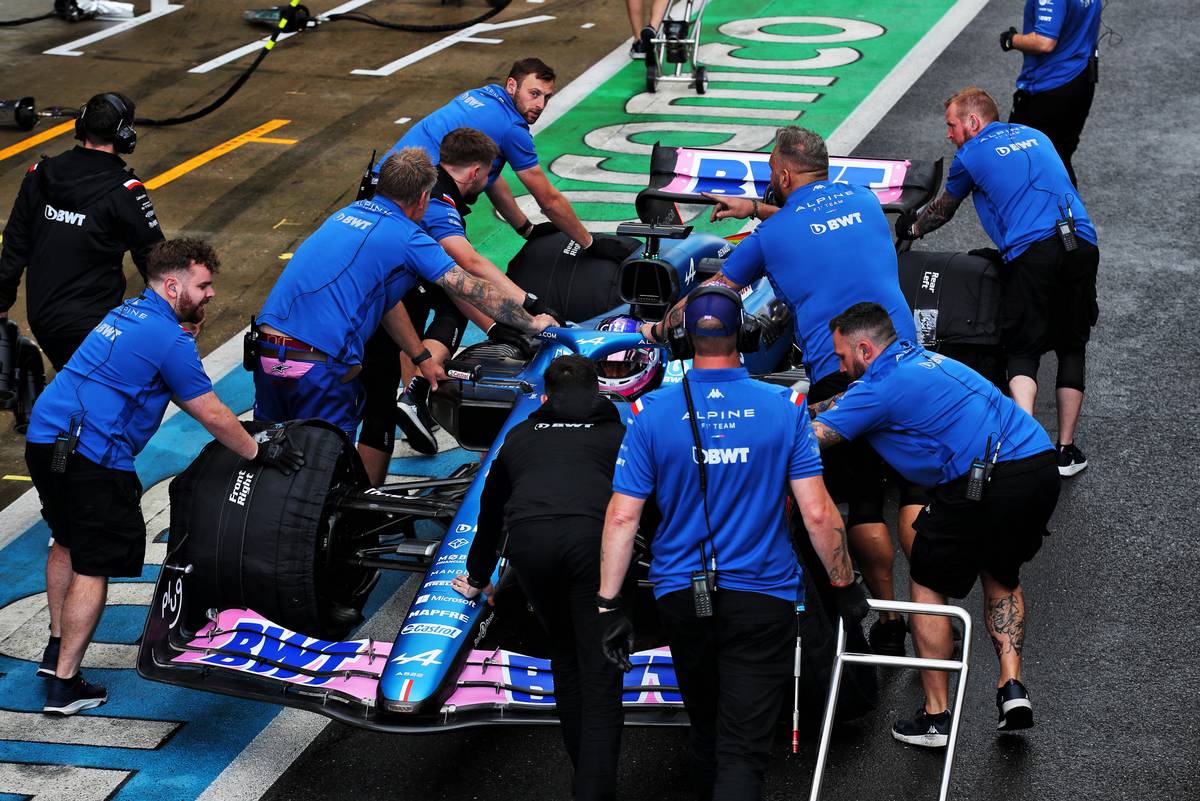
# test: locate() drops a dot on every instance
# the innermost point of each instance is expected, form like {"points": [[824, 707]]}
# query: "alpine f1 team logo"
{"points": [[457, 543]]}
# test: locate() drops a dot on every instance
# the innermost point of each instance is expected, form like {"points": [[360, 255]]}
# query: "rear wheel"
{"points": [[701, 74], [651, 76]]}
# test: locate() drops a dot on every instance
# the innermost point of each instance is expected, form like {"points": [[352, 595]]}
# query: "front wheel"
{"points": [[701, 74]]}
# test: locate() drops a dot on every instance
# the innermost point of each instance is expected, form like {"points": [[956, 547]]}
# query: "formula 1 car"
{"points": [[266, 574]]}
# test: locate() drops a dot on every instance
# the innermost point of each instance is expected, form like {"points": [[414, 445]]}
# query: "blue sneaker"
{"points": [[925, 730], [1016, 711], [49, 662], [68, 696]]}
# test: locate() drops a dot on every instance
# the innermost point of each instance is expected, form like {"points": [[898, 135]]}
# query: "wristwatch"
{"points": [[608, 603], [474, 584], [424, 355]]}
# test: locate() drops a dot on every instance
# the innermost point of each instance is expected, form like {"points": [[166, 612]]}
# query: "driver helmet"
{"points": [[631, 372]]}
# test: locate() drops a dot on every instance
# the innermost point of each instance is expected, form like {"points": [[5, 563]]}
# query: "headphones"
{"points": [[749, 333], [124, 136]]}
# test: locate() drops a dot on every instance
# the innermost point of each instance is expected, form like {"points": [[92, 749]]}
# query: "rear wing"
{"points": [[680, 174]]}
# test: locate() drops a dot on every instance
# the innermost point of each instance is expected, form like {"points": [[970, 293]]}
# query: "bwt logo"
{"points": [[352, 221], [463, 528], [68, 217], [721, 455], [834, 223], [1024, 144]]}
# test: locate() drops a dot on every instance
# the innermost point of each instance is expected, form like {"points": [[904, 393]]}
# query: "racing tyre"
{"points": [[276, 544], [701, 74]]}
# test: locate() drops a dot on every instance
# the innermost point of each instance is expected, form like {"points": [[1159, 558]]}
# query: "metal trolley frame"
{"points": [[950, 665], [677, 42]]}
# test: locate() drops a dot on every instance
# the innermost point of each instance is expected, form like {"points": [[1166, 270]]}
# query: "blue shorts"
{"points": [[293, 390]]}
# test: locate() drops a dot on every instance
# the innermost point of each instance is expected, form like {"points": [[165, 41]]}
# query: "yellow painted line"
{"points": [[253, 135], [17, 478], [37, 139], [271, 140]]}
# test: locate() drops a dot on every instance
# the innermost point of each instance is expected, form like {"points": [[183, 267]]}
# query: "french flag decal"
{"points": [[637, 407], [797, 398]]}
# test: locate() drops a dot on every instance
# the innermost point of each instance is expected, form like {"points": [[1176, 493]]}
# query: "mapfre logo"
{"points": [[834, 223], [68, 217], [720, 455]]}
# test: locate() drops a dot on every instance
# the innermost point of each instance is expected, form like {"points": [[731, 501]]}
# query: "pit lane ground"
{"points": [[1111, 678]]}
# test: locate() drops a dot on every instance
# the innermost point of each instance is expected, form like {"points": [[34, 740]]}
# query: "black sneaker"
{"points": [[887, 636], [68, 696], [647, 39], [637, 50], [926, 730], [412, 415], [49, 662], [1016, 712], [1070, 460]]}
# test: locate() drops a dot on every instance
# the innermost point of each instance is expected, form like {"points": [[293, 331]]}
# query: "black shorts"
{"points": [[93, 511], [1050, 298], [381, 360], [957, 539]]}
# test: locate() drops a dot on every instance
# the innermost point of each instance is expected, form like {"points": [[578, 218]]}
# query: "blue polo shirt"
{"points": [[121, 379], [348, 274], [1020, 187], [1075, 25], [488, 109], [755, 437], [929, 416], [446, 215], [829, 247]]}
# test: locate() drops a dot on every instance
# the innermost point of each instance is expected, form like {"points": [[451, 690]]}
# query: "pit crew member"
{"points": [[1060, 42], [941, 424], [1029, 207], [505, 113], [344, 281], [548, 487], [464, 158], [84, 432], [732, 663], [74, 217], [831, 246]]}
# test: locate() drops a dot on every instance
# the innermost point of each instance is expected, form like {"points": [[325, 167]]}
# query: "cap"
{"points": [[719, 306]]}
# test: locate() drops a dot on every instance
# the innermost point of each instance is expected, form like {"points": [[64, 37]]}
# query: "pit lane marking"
{"points": [[37, 139], [465, 35], [97, 730], [158, 8], [253, 135], [60, 782]]}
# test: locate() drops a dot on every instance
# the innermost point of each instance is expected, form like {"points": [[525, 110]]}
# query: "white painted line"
{"points": [[876, 105], [588, 25], [245, 50], [97, 730], [60, 782], [758, 77], [75, 48], [465, 35], [403, 120], [570, 95]]}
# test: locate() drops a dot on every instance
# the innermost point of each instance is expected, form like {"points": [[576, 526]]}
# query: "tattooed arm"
{"points": [[826, 436], [490, 300], [823, 406], [936, 214], [825, 528], [657, 332]]}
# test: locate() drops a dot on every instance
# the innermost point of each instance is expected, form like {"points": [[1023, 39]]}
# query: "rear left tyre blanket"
{"points": [[276, 544], [571, 282]]}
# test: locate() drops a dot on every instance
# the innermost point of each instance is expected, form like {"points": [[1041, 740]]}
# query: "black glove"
{"points": [[1006, 39], [276, 450], [501, 332], [616, 638], [988, 253], [607, 246], [904, 224], [540, 230], [851, 602]]}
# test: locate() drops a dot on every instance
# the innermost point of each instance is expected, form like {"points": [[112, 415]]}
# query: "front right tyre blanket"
{"points": [[270, 542], [571, 282]]}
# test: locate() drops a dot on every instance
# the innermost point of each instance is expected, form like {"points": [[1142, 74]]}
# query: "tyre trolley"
{"points": [[676, 42], [958, 666]]}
